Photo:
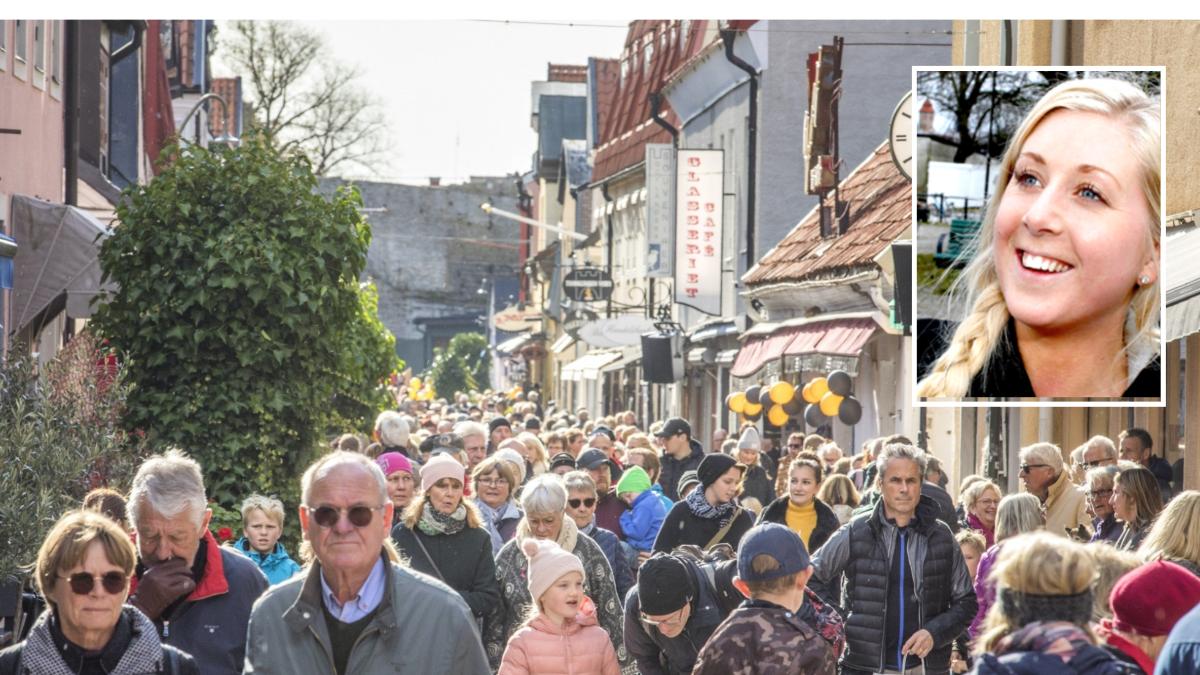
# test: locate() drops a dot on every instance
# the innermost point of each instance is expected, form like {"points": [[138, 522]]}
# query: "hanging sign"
{"points": [[514, 318], [660, 210], [699, 222], [621, 331], [588, 284], [576, 320]]}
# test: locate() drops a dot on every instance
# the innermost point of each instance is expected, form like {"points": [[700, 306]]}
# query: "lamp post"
{"points": [[530, 221], [225, 138]]}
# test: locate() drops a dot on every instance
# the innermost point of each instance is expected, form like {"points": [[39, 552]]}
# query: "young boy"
{"points": [[647, 512]]}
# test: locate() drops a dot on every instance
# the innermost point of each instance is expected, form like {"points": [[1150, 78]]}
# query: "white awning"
{"points": [[587, 367], [628, 356], [513, 345], [560, 345]]}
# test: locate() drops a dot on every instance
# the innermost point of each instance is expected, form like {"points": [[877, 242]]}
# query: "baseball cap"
{"points": [[674, 427], [591, 459], [601, 429], [777, 541], [447, 442]]}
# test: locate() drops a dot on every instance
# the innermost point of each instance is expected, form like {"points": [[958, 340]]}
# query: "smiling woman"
{"points": [[1063, 282]]}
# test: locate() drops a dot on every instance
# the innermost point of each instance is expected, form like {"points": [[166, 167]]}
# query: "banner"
{"points": [[660, 210], [699, 191]]}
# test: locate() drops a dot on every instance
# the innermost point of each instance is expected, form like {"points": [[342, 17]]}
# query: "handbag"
{"points": [[722, 532]]}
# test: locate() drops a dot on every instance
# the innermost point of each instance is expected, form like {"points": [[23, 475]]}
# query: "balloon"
{"points": [[764, 397], [815, 417], [752, 393], [830, 403], [782, 392], [807, 394], [736, 402], [820, 387], [840, 382], [752, 409], [850, 411], [777, 416], [755, 416], [794, 407], [415, 383]]}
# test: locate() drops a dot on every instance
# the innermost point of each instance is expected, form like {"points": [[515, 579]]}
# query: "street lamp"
{"points": [[530, 221], [225, 138]]}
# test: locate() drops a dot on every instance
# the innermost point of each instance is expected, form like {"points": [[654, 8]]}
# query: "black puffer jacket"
{"points": [[827, 522], [673, 469], [862, 553], [756, 484]]}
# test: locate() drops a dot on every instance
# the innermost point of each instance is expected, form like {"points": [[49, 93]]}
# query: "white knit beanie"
{"points": [[749, 440], [513, 457], [547, 564]]}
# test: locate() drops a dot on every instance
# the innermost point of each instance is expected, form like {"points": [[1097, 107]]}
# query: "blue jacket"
{"points": [[611, 545], [277, 565], [663, 498], [1181, 653], [643, 520], [1089, 661]]}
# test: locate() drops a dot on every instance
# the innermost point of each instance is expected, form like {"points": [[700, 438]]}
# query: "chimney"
{"points": [[435, 181], [925, 125]]}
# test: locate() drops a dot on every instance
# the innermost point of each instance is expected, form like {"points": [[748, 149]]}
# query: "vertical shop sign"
{"points": [[660, 209], [699, 228]]}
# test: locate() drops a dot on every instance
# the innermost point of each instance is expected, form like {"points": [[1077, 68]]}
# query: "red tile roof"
{"points": [[557, 72], [628, 126], [881, 209], [226, 88], [608, 78]]}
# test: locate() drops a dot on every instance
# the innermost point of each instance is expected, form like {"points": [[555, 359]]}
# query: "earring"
{"points": [[1144, 280]]}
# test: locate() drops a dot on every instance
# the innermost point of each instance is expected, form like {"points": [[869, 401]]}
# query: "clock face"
{"points": [[900, 140]]}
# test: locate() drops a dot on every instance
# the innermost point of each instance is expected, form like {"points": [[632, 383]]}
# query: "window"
{"points": [[683, 32], [39, 46], [646, 58], [20, 39], [3, 45], [624, 71], [55, 58]]}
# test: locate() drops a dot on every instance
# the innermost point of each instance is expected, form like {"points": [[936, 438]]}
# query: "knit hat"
{"points": [[441, 466], [391, 462], [664, 585], [533, 423], [497, 422], [1149, 600], [547, 564], [510, 455], [713, 466], [688, 479], [635, 480], [749, 440]]}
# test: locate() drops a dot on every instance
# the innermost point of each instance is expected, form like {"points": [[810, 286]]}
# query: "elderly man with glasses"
{"points": [[357, 610], [1046, 478]]}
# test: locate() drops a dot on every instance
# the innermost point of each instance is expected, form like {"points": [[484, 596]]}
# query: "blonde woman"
{"points": [[1063, 286], [838, 493], [1175, 535], [536, 452], [1136, 502]]}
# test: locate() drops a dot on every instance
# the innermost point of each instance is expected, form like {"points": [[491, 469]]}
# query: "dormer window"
{"points": [[648, 55]]}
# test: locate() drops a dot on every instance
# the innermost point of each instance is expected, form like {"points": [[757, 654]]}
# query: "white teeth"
{"points": [[1037, 262]]}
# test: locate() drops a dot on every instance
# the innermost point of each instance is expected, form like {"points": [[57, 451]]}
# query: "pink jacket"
{"points": [[578, 647]]}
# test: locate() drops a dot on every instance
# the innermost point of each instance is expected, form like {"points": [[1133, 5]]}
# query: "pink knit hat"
{"points": [[547, 564], [392, 462], [441, 466]]}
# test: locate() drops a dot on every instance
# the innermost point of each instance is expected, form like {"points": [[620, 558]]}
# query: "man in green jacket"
{"points": [[356, 611]]}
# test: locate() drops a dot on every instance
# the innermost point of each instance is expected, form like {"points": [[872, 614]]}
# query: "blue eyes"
{"points": [[1088, 192]]}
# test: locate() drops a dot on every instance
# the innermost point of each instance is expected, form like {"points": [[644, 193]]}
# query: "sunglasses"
{"points": [[589, 502], [1026, 467], [327, 516], [82, 583]]}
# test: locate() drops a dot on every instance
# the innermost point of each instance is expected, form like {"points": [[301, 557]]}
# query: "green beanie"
{"points": [[635, 480]]}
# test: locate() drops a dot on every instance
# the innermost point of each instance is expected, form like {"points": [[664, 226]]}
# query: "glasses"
{"points": [[674, 621], [987, 502], [589, 502], [490, 482], [1026, 467], [327, 516], [114, 583], [1098, 494], [795, 445], [1094, 463]]}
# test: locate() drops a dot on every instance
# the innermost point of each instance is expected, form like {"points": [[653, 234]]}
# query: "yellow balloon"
{"points": [[751, 408], [782, 392], [738, 402], [820, 387], [807, 394], [777, 416], [830, 402], [415, 383]]}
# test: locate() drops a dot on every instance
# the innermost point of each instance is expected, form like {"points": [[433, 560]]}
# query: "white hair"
{"points": [[321, 468], [392, 429], [901, 451], [1044, 453], [1104, 443], [170, 484], [544, 494], [471, 428]]}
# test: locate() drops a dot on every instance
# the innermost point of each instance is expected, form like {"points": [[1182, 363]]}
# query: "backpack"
{"points": [[728, 597]]}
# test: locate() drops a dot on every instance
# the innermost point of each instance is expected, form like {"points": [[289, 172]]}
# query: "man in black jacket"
{"points": [[908, 592], [1138, 446], [681, 453]]}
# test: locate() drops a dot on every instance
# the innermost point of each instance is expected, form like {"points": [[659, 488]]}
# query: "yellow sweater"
{"points": [[802, 519]]}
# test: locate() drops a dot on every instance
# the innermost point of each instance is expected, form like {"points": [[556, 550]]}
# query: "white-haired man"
{"points": [[475, 442], [197, 593], [356, 610], [1046, 478]]}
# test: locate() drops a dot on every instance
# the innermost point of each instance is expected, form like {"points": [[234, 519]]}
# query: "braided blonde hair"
{"points": [[980, 333]]}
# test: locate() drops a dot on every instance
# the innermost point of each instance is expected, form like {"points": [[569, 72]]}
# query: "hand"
{"points": [[957, 664], [920, 644], [162, 585], [643, 556]]}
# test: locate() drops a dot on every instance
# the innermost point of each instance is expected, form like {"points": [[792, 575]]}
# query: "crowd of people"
{"points": [[490, 535]]}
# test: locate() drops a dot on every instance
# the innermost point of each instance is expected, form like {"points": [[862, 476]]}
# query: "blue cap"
{"points": [[777, 541]]}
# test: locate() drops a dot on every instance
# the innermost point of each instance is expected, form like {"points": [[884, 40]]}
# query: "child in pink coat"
{"points": [[562, 636]]}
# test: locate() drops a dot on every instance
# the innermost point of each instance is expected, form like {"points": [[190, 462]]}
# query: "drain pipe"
{"points": [[655, 108], [727, 36], [1059, 37], [608, 219]]}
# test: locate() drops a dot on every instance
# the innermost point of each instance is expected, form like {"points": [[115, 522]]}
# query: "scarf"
{"points": [[1057, 638], [434, 522], [976, 524], [568, 534], [143, 655], [698, 505]]}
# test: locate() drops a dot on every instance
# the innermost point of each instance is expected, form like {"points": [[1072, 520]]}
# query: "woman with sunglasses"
{"points": [[581, 508], [83, 569], [443, 536]]}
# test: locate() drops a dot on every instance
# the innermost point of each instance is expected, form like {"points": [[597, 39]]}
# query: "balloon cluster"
{"points": [[827, 397], [420, 391]]}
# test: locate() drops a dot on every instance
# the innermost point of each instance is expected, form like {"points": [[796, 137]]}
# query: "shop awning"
{"points": [[587, 367], [560, 345], [714, 330], [1183, 296], [516, 344], [628, 356], [842, 337], [59, 254]]}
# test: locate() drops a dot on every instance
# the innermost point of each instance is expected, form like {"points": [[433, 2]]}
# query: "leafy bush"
{"points": [[461, 366], [240, 314]]}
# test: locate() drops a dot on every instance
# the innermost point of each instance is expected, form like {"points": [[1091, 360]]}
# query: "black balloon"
{"points": [[794, 407], [850, 411], [755, 417], [764, 398], [814, 416], [840, 382], [753, 393]]}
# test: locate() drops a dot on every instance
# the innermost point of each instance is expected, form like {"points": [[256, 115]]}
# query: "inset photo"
{"points": [[1039, 222]]}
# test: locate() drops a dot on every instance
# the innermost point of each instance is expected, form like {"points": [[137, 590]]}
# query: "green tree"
{"points": [[461, 366], [238, 301]]}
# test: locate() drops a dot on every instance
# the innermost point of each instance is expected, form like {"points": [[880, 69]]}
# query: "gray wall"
{"points": [[421, 259]]}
